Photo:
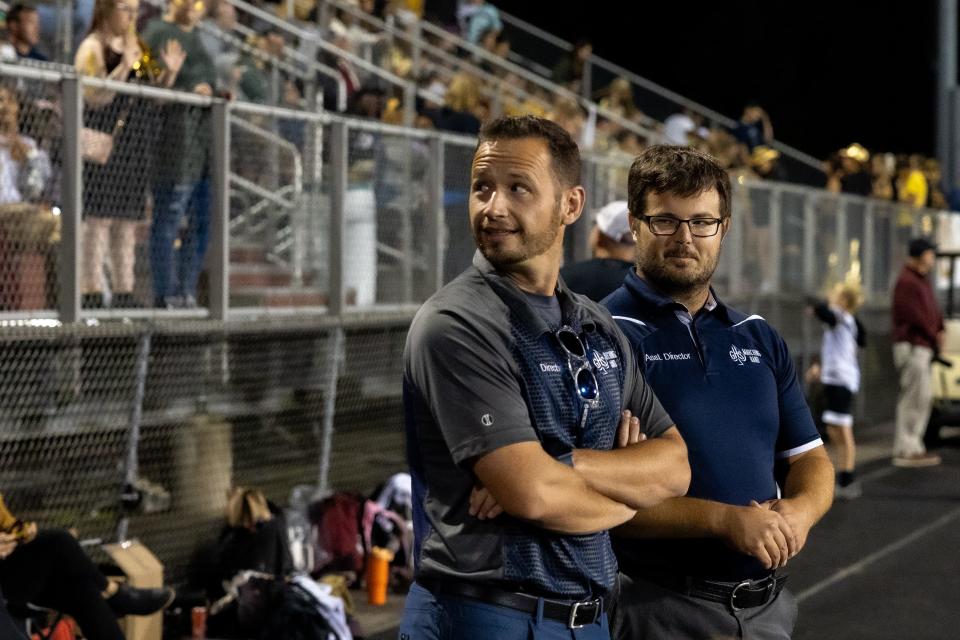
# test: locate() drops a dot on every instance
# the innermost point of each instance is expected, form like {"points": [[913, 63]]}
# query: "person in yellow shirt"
{"points": [[913, 186]]}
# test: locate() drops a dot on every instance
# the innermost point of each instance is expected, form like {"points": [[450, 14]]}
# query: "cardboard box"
{"points": [[142, 569]]}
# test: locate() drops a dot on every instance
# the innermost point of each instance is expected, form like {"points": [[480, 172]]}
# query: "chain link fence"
{"points": [[322, 235]]}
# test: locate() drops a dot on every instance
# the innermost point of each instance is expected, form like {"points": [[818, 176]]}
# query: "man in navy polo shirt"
{"points": [[513, 389], [704, 565]]}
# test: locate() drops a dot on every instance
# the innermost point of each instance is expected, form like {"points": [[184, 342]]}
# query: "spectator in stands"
{"points": [[24, 167], [765, 163], [678, 127], [356, 32], [477, 17], [852, 175], [569, 71], [226, 56], [23, 34], [918, 334], [912, 187], [181, 184], [50, 569], [613, 250], [115, 183], [52, 17], [935, 196], [461, 105], [570, 116], [882, 166], [754, 128], [618, 99], [630, 143]]}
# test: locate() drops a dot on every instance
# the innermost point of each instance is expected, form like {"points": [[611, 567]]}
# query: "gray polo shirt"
{"points": [[483, 370]]}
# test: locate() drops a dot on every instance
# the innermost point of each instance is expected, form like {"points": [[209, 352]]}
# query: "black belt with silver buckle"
{"points": [[574, 614], [737, 595]]}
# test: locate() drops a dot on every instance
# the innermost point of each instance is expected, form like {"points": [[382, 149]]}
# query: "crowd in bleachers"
{"points": [[357, 54]]}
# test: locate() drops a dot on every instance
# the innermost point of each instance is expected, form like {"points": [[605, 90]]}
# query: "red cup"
{"points": [[198, 618]]}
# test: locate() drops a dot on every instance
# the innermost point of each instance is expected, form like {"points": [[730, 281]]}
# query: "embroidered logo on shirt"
{"points": [[604, 361], [550, 368], [486, 419], [742, 355]]}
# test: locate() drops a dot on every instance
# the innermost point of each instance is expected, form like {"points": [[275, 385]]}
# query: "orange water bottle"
{"points": [[378, 575]]}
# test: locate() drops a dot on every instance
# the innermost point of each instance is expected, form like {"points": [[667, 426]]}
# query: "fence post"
{"points": [[68, 271], [776, 224], [409, 104], [868, 248], [435, 216], [580, 240], [219, 247], [338, 194], [809, 243], [842, 250]]}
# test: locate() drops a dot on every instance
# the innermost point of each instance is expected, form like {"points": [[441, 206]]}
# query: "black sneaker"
{"points": [[132, 601], [91, 301]]}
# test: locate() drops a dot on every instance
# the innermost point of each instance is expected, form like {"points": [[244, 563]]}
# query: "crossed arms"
{"points": [[603, 489]]}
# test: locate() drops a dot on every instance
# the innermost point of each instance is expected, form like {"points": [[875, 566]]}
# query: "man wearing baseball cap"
{"points": [[917, 338], [613, 253]]}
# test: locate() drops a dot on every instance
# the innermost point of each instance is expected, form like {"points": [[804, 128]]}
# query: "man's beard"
{"points": [[531, 245], [673, 281]]}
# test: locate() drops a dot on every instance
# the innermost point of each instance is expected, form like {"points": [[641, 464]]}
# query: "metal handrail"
{"points": [[653, 87], [439, 54], [520, 72], [408, 87]]}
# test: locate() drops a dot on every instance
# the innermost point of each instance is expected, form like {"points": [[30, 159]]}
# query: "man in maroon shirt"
{"points": [[917, 337]]}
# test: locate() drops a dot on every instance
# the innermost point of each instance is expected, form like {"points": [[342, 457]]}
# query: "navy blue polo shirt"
{"points": [[483, 369], [728, 381]]}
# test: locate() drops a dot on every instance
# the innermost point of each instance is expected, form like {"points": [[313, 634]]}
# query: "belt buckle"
{"points": [[575, 609], [733, 595], [767, 588]]}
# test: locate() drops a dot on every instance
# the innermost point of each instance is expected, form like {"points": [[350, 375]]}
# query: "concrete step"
{"points": [[247, 254], [276, 297], [243, 275]]}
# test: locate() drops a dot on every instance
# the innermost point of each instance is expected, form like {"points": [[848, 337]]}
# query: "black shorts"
{"points": [[838, 405]]}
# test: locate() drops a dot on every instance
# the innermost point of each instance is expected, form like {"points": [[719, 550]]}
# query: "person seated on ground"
{"points": [[9, 630], [254, 539], [49, 568]]}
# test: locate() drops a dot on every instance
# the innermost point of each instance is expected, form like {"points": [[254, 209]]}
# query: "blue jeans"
{"points": [[171, 202], [428, 617]]}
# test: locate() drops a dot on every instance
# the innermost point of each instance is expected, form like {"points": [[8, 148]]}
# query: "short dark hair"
{"points": [[17, 10], [564, 152], [681, 171]]}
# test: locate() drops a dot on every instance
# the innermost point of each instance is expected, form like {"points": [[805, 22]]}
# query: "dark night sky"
{"points": [[828, 73]]}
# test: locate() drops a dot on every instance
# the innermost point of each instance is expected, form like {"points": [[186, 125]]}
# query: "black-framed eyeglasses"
{"points": [[579, 365], [668, 225]]}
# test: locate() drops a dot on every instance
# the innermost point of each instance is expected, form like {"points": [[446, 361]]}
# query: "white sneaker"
{"points": [[917, 460]]}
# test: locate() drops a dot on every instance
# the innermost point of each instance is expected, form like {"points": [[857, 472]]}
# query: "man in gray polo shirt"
{"points": [[530, 431]]}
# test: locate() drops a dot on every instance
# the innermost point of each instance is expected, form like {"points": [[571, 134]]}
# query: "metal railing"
{"points": [[657, 100], [644, 130]]}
